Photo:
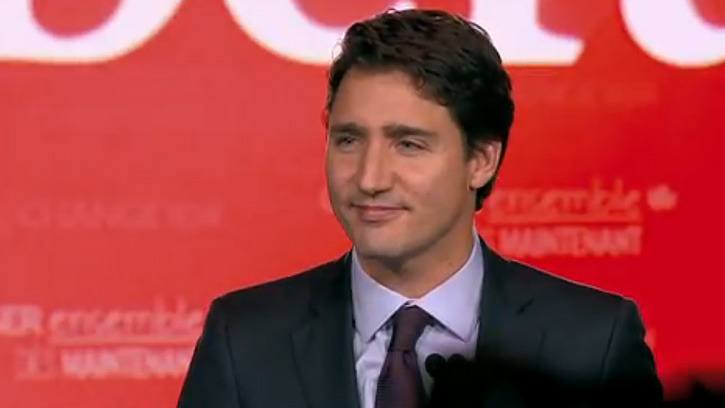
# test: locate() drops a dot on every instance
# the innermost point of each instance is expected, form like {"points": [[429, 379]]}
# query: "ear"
{"points": [[482, 163]]}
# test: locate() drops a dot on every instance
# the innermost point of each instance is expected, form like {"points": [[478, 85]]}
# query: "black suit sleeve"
{"points": [[629, 374], [210, 380]]}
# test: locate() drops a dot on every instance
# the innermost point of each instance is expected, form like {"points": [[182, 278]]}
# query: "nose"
{"points": [[374, 171]]}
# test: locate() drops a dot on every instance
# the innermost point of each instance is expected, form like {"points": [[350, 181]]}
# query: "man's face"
{"points": [[397, 172]]}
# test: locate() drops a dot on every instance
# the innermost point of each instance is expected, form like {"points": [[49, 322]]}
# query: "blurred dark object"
{"points": [[487, 382], [701, 394], [459, 383]]}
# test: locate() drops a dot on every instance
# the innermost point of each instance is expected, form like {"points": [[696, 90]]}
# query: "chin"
{"points": [[382, 249]]}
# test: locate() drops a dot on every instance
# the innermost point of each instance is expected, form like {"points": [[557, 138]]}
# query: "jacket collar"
{"points": [[323, 345], [508, 330]]}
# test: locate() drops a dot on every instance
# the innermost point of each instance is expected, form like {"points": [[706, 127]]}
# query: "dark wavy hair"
{"points": [[451, 59]]}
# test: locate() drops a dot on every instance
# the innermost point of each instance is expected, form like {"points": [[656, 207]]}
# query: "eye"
{"points": [[410, 146], [344, 141]]}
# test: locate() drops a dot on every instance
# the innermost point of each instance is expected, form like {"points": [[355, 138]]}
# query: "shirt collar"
{"points": [[454, 303]]}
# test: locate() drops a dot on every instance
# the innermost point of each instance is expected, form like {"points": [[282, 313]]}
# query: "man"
{"points": [[418, 115]]}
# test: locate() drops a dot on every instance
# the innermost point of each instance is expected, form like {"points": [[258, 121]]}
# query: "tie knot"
{"points": [[408, 324]]}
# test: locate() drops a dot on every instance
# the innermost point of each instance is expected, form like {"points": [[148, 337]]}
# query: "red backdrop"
{"points": [[156, 154]]}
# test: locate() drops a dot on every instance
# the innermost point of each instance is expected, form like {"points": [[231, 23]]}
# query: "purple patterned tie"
{"points": [[400, 384]]}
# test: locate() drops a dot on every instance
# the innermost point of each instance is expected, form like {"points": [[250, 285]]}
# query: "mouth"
{"points": [[377, 213]]}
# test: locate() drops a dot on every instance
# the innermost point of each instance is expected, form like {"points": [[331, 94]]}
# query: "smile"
{"points": [[377, 213]]}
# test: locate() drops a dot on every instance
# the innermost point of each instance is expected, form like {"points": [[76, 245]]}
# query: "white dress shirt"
{"points": [[454, 305]]}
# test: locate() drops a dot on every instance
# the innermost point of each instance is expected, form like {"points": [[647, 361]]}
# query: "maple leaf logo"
{"points": [[662, 198]]}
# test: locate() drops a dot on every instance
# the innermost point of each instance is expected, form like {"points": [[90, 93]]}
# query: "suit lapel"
{"points": [[323, 346], [508, 331]]}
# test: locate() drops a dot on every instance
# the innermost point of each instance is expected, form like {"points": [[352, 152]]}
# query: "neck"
{"points": [[417, 275]]}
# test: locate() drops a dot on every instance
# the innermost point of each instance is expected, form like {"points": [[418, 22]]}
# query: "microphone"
{"points": [[452, 387], [435, 364], [457, 359]]}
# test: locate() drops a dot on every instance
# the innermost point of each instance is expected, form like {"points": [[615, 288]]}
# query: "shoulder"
{"points": [[595, 333], [567, 299], [280, 302]]}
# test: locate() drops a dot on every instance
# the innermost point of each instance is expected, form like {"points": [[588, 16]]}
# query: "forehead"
{"points": [[377, 97]]}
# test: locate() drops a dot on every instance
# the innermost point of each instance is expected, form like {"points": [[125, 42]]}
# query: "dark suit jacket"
{"points": [[289, 343]]}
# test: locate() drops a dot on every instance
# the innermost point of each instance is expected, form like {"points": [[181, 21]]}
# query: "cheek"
{"points": [[338, 173], [435, 185]]}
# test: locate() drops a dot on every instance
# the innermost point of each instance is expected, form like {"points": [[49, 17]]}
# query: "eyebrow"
{"points": [[349, 128], [399, 130], [392, 130]]}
